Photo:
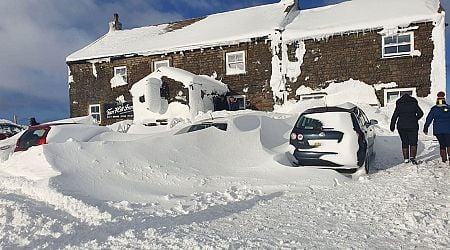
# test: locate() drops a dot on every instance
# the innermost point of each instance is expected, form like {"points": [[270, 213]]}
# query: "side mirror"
{"points": [[373, 122]]}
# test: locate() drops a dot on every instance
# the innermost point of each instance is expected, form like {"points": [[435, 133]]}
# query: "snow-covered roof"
{"points": [[214, 30], [208, 84], [3, 121], [359, 15], [242, 25]]}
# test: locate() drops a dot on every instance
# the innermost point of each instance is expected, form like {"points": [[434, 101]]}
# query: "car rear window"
{"points": [[31, 138], [221, 126], [324, 121]]}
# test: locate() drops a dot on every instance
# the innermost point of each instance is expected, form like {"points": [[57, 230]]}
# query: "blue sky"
{"points": [[37, 36]]}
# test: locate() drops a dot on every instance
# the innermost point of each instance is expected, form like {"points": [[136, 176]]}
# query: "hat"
{"points": [[440, 98]]}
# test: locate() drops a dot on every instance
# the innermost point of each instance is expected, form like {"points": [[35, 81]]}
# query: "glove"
{"points": [[425, 131]]}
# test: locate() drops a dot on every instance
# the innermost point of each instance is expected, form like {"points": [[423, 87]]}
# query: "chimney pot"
{"points": [[115, 24]]}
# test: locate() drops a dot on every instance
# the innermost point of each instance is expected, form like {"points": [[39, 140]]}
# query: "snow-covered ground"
{"points": [[220, 189]]}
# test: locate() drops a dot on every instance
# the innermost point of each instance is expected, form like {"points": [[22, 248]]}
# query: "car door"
{"points": [[368, 130]]}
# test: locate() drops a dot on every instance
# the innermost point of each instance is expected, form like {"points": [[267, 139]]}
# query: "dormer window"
{"points": [[398, 45]]}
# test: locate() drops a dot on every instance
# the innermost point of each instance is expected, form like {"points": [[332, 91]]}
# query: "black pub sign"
{"points": [[118, 110]]}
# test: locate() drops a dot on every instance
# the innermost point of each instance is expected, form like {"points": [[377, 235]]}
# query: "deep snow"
{"points": [[216, 189]]}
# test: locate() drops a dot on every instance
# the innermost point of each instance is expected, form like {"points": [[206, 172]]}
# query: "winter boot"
{"points": [[405, 152], [448, 157], [443, 154], [413, 155]]}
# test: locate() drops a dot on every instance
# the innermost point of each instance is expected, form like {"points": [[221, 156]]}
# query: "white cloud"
{"points": [[36, 37]]}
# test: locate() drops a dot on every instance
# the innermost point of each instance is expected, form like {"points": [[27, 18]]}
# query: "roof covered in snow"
{"points": [[242, 25], [359, 15], [208, 84], [214, 30]]}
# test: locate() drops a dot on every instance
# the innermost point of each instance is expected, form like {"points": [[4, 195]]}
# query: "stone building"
{"points": [[265, 53]]}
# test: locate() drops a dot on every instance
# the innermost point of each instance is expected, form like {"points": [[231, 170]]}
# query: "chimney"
{"points": [[115, 24]]}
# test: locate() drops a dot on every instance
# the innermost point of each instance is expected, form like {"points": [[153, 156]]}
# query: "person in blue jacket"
{"points": [[440, 117]]}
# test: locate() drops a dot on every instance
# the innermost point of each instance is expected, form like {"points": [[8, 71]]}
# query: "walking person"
{"points": [[440, 117], [406, 115]]}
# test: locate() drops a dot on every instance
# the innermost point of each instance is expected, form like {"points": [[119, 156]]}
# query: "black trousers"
{"points": [[409, 137], [444, 140]]}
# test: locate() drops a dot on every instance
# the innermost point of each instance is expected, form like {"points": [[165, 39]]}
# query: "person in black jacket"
{"points": [[406, 115]]}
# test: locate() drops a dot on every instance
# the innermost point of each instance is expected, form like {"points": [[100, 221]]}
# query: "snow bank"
{"points": [[353, 91], [200, 190], [161, 168]]}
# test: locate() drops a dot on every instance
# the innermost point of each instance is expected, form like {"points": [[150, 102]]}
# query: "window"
{"points": [[397, 45], [159, 64], [309, 123], [236, 102], [362, 118], [94, 111], [315, 96], [121, 71], [391, 95], [235, 63]]}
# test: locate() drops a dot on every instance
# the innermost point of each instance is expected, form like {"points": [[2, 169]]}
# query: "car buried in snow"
{"points": [[221, 125], [8, 129], [57, 133], [339, 137]]}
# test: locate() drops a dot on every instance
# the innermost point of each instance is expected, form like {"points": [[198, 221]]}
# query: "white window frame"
{"points": [[399, 90], [390, 55], [235, 71], [315, 96], [239, 97], [117, 73], [99, 120], [156, 65]]}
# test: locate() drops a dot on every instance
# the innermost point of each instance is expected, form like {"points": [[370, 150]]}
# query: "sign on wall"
{"points": [[118, 110]]}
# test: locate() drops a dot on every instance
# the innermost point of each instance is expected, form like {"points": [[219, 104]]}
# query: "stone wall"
{"points": [[87, 89], [359, 56], [337, 58]]}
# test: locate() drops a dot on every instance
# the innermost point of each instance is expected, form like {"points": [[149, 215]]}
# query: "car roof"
{"points": [[346, 107], [45, 125]]}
